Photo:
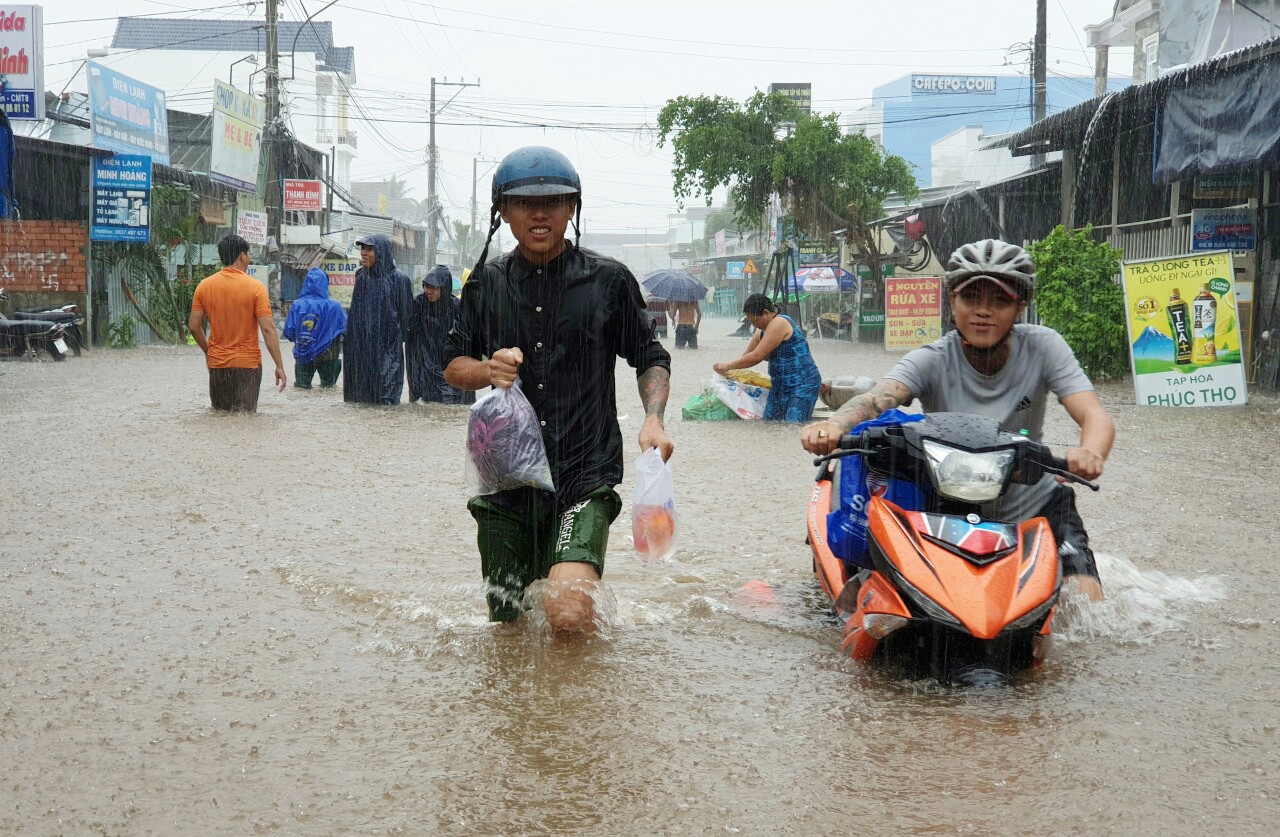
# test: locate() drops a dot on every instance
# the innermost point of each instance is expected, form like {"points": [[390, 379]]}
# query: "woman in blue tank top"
{"points": [[795, 376]]}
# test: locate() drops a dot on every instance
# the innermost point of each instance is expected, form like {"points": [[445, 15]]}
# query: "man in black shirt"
{"points": [[557, 317]]}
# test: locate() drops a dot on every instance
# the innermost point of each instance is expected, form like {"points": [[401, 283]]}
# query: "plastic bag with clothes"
{"points": [[653, 508], [847, 525], [504, 444]]}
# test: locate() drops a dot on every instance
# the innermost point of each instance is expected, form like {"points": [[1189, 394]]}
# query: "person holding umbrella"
{"points": [[687, 316], [683, 294], [795, 378]]}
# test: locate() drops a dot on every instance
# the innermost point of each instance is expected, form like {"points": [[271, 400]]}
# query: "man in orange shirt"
{"points": [[237, 308]]}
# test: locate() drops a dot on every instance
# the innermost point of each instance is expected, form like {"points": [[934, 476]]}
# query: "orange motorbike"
{"points": [[944, 591]]}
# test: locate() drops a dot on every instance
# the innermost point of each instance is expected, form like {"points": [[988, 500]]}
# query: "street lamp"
{"points": [[252, 58], [97, 52]]}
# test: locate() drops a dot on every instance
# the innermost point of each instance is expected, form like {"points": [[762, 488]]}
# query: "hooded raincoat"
{"points": [[424, 350], [377, 324], [314, 320]]}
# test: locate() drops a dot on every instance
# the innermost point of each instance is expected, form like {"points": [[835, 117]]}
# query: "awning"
{"points": [[1137, 104], [1220, 124]]}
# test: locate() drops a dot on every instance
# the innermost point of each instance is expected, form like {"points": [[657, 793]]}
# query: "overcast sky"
{"points": [[607, 67]]}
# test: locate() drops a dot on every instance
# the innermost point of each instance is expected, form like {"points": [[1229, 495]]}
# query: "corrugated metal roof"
{"points": [[1137, 103], [232, 35]]}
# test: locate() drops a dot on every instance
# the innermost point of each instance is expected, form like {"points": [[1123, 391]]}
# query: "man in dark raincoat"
{"points": [[377, 324], [433, 313], [315, 325]]}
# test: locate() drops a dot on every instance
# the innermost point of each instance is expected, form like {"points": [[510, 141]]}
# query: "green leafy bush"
{"points": [[1079, 296], [120, 332]]}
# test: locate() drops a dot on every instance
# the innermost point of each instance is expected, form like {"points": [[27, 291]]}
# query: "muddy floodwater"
{"points": [[274, 624]]}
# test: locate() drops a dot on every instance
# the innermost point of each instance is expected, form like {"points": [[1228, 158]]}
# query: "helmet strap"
{"points": [[495, 221], [577, 220]]}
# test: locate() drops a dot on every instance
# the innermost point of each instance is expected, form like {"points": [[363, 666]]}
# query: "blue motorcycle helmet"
{"points": [[532, 170]]}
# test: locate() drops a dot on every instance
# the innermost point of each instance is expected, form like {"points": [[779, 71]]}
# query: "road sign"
{"points": [[750, 266]]}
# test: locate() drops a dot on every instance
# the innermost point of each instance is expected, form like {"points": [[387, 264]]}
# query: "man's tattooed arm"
{"points": [[655, 389], [885, 395]]}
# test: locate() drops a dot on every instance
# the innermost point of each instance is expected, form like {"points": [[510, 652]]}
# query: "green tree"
{"points": [[1078, 296], [468, 247], [827, 179], [161, 302]]}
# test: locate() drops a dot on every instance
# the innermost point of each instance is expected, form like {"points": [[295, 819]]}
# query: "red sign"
{"points": [[302, 195]]}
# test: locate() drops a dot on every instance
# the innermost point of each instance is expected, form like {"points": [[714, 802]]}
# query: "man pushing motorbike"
{"points": [[992, 365]]}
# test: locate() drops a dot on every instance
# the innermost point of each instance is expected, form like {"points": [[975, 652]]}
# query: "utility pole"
{"points": [[433, 231], [472, 237], [1038, 68], [271, 142]]}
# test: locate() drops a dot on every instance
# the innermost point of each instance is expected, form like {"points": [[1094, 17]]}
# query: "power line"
{"points": [[178, 11]]}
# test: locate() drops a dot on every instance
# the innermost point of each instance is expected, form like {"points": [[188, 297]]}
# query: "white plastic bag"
{"points": [[653, 508], [746, 400], [504, 444]]}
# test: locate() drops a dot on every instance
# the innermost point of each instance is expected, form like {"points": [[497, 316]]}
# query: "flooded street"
{"points": [[274, 624]]}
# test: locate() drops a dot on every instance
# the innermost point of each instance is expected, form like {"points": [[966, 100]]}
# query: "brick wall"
{"points": [[41, 257]]}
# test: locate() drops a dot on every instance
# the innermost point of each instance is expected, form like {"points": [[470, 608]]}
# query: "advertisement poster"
{"points": [[252, 226], [342, 278], [733, 270], [302, 196], [1184, 331], [1224, 229], [126, 115], [121, 199], [912, 312], [236, 138], [21, 61]]}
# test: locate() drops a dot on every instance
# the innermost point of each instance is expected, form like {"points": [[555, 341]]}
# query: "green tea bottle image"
{"points": [[1180, 327], [1204, 316]]}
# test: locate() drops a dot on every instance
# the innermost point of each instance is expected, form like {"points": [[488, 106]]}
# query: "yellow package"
{"points": [[750, 377]]}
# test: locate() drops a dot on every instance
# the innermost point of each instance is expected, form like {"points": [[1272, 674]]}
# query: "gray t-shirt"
{"points": [[1040, 362]]}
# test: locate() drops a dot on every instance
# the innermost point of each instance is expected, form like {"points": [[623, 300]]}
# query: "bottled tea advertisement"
{"points": [[1184, 334]]}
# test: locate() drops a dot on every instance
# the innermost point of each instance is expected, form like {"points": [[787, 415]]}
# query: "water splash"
{"points": [[1141, 605]]}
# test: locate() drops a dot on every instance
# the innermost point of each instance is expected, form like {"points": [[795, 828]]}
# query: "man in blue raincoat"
{"points": [[377, 325], [315, 325]]}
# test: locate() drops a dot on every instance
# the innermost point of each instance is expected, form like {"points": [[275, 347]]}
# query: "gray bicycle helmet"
{"points": [[1005, 264]]}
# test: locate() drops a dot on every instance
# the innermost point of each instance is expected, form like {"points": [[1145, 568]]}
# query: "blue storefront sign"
{"points": [[126, 115], [733, 270], [1224, 229], [121, 199]]}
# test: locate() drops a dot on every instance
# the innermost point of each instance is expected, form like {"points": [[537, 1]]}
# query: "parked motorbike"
{"points": [[948, 594], [24, 338], [68, 316]]}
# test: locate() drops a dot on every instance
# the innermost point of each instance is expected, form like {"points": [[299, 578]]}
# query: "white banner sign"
{"points": [[252, 226], [21, 62], [236, 138]]}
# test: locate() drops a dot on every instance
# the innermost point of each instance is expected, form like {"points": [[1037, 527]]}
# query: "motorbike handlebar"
{"points": [[1041, 456]]}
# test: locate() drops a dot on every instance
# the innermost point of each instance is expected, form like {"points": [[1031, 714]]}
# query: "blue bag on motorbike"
{"points": [[847, 525]]}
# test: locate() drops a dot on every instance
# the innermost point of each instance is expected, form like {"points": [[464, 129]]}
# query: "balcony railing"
{"points": [[347, 138]]}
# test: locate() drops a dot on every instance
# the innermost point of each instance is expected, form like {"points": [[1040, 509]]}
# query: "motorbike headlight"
{"points": [[965, 476]]}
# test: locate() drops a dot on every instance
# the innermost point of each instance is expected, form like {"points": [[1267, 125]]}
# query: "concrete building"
{"points": [[184, 57], [911, 114], [1168, 35]]}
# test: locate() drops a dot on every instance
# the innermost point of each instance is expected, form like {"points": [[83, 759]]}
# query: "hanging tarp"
{"points": [[1220, 124], [8, 150]]}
